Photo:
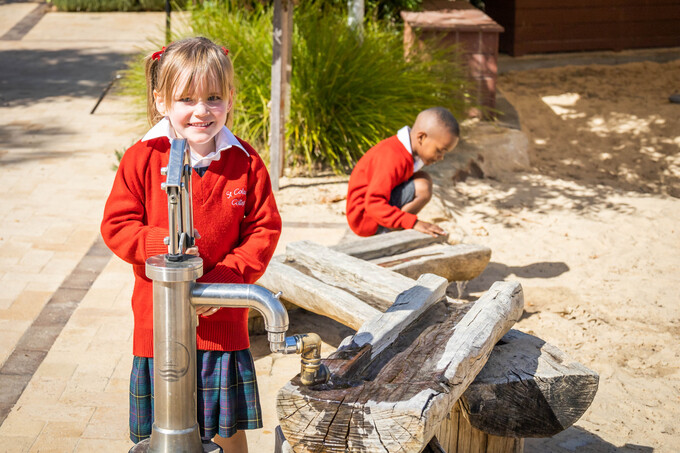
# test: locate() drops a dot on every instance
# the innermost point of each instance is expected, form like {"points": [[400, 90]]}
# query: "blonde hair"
{"points": [[198, 58]]}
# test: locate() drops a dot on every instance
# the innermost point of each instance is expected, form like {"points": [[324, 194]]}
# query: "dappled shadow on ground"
{"points": [[17, 135], [28, 76], [594, 132], [577, 439], [609, 126], [526, 191]]}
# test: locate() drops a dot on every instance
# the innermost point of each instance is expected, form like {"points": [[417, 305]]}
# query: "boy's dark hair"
{"points": [[446, 119]]}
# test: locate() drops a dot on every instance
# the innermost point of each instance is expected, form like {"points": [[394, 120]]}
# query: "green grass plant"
{"points": [[347, 93], [111, 5]]}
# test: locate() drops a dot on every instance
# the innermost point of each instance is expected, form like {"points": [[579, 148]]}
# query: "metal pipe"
{"points": [[275, 320], [312, 371], [247, 296], [187, 205]]}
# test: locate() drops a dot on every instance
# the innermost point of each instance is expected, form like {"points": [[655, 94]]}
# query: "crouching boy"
{"points": [[387, 187]]}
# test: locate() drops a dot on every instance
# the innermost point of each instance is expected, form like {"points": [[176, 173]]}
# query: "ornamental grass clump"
{"points": [[347, 92], [112, 5]]}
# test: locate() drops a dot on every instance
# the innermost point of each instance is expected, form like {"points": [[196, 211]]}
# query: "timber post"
{"points": [[280, 87]]}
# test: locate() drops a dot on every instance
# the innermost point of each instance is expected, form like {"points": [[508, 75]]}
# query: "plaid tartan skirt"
{"points": [[227, 394]]}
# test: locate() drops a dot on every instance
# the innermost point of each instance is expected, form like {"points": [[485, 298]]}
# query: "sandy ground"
{"points": [[592, 232]]}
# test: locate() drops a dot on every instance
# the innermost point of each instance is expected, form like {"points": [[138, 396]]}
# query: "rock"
{"points": [[489, 151]]}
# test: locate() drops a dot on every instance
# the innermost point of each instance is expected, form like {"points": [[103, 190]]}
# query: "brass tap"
{"points": [[312, 371]]}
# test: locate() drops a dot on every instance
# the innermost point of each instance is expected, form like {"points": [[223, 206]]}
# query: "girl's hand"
{"points": [[206, 310]]}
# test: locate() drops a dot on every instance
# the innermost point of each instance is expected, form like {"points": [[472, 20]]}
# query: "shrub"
{"points": [[111, 5], [349, 94], [346, 94]]}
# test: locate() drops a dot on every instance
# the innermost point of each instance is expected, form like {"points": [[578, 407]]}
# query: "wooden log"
{"points": [[281, 445], [505, 393], [369, 282], [381, 331], [456, 263], [387, 244], [315, 296], [528, 388], [456, 435], [499, 404], [395, 400]]}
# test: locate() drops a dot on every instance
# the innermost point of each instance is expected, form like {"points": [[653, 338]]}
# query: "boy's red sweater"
{"points": [[234, 212], [380, 170]]}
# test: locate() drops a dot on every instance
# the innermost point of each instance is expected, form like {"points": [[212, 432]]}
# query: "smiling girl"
{"points": [[190, 93]]}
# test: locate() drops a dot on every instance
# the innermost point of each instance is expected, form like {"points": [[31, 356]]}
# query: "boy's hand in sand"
{"points": [[428, 228]]}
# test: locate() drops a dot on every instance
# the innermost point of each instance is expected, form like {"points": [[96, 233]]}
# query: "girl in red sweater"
{"points": [[190, 93]]}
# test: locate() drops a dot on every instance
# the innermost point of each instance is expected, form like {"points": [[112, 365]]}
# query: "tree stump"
{"points": [[395, 381]]}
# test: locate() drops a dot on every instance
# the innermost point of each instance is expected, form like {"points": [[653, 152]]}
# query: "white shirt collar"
{"points": [[404, 136], [224, 139]]}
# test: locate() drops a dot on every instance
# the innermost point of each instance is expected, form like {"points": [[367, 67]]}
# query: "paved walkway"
{"points": [[65, 318]]}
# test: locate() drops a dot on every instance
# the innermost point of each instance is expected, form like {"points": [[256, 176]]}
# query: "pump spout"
{"points": [[247, 296], [275, 320]]}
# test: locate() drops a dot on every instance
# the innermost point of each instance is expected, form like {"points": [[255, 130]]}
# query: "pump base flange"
{"points": [[143, 447]]}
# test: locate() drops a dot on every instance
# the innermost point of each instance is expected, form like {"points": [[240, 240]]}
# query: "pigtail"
{"points": [[151, 71]]}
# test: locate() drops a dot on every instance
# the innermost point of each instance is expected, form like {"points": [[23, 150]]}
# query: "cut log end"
{"points": [[528, 388]]}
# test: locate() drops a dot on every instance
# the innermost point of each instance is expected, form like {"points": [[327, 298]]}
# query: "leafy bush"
{"points": [[112, 5], [384, 9], [346, 94], [104, 5], [349, 94]]}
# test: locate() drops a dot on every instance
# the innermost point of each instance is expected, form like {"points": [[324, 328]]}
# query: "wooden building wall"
{"points": [[541, 26]]}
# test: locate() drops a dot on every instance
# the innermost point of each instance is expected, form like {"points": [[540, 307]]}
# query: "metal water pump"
{"points": [[175, 296]]}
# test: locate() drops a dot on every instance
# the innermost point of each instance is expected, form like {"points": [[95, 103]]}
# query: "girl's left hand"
{"points": [[206, 310]]}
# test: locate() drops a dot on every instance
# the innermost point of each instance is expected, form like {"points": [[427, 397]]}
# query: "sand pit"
{"points": [[591, 230]]}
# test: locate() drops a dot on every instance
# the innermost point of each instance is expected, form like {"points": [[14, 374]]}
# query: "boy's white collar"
{"points": [[404, 136], [224, 139]]}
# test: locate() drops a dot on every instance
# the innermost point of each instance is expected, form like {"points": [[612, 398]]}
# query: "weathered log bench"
{"points": [[527, 389]]}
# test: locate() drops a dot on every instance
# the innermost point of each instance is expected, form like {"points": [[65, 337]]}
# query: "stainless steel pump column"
{"points": [[175, 427]]}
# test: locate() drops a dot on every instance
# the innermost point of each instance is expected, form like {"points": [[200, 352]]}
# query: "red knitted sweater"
{"points": [[234, 212], [380, 170]]}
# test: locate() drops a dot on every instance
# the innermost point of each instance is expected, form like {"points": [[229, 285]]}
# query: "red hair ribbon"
{"points": [[158, 55]]}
